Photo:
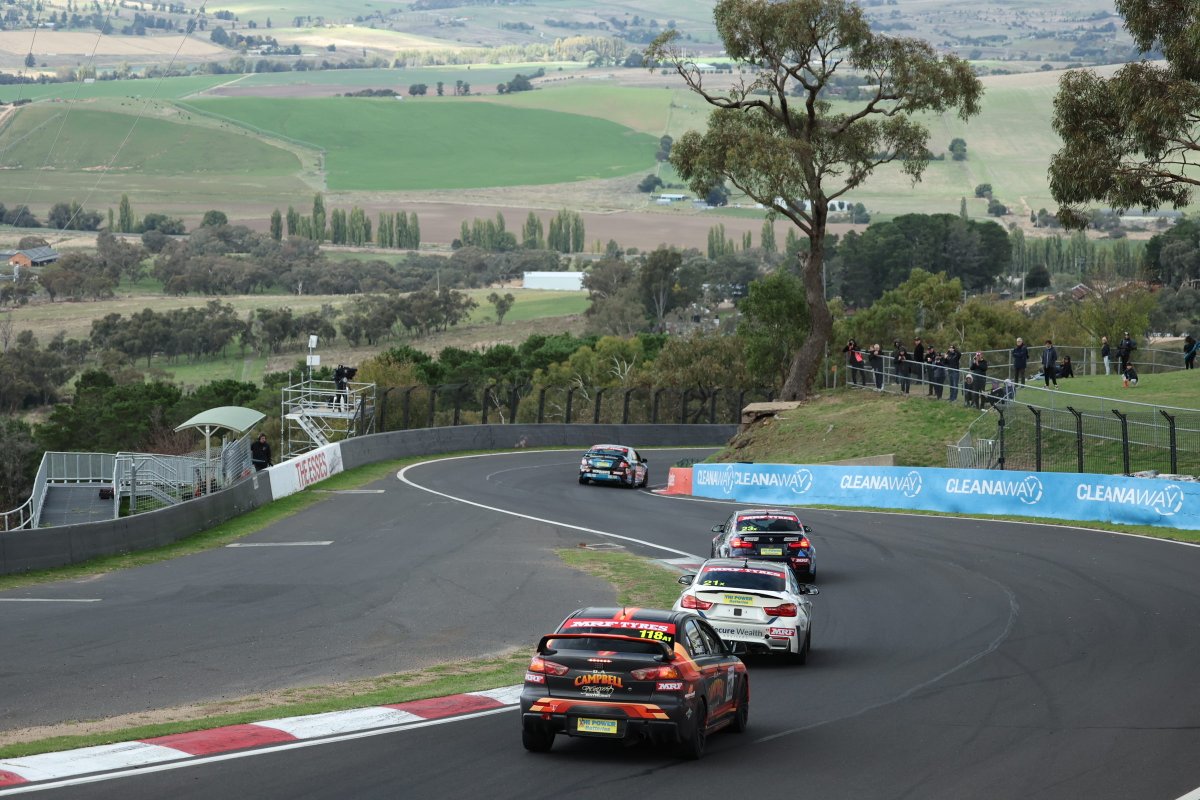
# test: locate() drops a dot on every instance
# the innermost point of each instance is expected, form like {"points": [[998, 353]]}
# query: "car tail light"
{"points": [[691, 601], [655, 673], [539, 664], [738, 542], [785, 610], [803, 544]]}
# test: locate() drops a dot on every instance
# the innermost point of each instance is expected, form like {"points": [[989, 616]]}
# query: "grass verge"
{"points": [[640, 582]]}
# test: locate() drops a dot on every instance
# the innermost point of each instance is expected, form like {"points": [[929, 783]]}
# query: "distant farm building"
{"points": [[33, 257], [671, 198], [559, 281]]}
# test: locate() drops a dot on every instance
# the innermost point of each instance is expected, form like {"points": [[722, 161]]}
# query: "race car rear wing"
{"points": [[667, 655]]}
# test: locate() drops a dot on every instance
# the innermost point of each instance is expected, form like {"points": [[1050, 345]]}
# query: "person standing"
{"points": [[916, 363], [1106, 354], [260, 453], [902, 369], [1020, 359], [978, 376], [1050, 364], [952, 359], [896, 348], [1125, 351], [875, 358], [853, 362], [1189, 352], [937, 376]]}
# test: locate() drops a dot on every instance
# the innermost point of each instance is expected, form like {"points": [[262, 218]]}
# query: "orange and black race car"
{"points": [[633, 674]]}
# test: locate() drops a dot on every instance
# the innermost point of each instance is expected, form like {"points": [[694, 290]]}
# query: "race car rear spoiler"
{"points": [[668, 653]]}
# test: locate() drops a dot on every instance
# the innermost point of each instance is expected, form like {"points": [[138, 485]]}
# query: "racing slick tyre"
{"points": [[741, 717], [692, 748], [802, 656], [536, 740], [583, 480], [645, 480]]}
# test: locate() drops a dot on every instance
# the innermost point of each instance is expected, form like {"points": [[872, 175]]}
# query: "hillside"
{"points": [[847, 423]]}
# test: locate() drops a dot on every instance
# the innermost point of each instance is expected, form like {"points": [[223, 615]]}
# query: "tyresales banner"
{"points": [[1057, 495], [304, 470]]}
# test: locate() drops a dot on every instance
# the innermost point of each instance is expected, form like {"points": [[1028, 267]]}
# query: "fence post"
{"points": [[541, 405], [741, 403], [654, 406], [407, 406], [487, 390], [1171, 436], [433, 393], [596, 410], [570, 399], [382, 411], [1124, 439], [1037, 437], [514, 404], [1078, 438], [625, 407], [1000, 436]]}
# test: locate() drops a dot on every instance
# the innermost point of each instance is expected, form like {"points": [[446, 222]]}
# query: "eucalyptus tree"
{"points": [[778, 138]]}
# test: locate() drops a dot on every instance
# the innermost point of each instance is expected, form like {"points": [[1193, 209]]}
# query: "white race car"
{"points": [[757, 606]]}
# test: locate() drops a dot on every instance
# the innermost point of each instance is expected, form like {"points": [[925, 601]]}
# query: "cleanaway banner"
{"points": [[1057, 495], [304, 470]]}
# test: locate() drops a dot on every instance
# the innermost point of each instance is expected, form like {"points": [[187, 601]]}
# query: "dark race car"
{"points": [[767, 534], [614, 463], [634, 674]]}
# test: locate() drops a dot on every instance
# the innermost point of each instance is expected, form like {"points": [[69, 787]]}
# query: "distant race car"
{"points": [[634, 674], [614, 463], [757, 606], [767, 534]]}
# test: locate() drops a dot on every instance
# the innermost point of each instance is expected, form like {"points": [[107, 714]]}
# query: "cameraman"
{"points": [[260, 453]]}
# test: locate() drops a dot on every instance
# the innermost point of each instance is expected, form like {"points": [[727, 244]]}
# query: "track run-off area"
{"points": [[952, 658]]}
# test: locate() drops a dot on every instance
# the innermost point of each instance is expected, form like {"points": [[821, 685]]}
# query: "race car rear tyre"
{"points": [[692, 748], [802, 656], [741, 717], [536, 740]]}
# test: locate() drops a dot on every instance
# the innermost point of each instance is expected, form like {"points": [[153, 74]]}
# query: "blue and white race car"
{"points": [[614, 463], [756, 606]]}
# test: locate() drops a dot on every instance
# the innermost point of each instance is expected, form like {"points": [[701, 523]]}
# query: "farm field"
{"points": [[389, 145], [156, 88]]}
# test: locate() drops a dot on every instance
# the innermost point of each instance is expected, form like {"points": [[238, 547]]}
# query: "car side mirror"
{"points": [[735, 648], [808, 589], [718, 529], [645, 461], [807, 529], [686, 580]]}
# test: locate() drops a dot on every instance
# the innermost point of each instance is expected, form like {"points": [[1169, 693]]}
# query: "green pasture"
{"points": [[481, 77], [425, 144], [156, 88], [529, 304], [645, 110], [69, 137]]}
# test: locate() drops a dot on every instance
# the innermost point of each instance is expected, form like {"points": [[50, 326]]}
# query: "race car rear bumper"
{"points": [[657, 731]]}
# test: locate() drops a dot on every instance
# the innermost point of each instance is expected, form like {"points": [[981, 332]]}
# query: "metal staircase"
{"points": [[316, 413]]}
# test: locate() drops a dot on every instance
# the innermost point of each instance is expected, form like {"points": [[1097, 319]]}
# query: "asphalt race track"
{"points": [[951, 658]]}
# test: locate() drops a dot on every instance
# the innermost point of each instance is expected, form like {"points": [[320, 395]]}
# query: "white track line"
{"points": [[404, 479], [47, 600], [280, 544]]}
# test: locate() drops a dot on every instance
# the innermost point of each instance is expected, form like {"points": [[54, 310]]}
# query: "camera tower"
{"points": [[316, 413]]}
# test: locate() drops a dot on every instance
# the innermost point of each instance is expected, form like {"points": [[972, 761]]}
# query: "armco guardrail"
{"points": [[1053, 495], [45, 548]]}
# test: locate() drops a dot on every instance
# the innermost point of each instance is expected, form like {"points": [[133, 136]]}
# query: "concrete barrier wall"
{"points": [[46, 548]]}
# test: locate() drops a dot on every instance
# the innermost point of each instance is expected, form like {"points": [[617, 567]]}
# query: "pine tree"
{"points": [[768, 237], [125, 222], [276, 225], [414, 231], [318, 218]]}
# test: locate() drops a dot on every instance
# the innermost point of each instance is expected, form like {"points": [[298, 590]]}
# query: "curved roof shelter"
{"points": [[238, 419]]}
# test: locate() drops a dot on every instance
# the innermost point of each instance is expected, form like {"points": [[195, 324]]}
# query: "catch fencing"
{"points": [[448, 405]]}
